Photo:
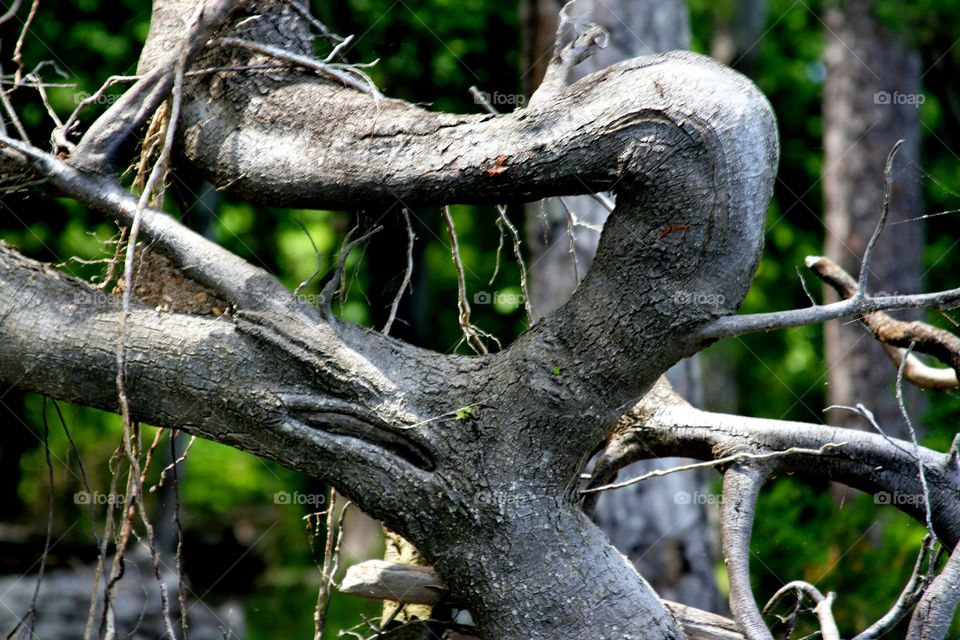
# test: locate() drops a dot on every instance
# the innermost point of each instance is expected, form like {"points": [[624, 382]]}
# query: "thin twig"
{"points": [[471, 335], [335, 72], [572, 240], [405, 284], [908, 598], [323, 594], [737, 457], [518, 254], [822, 605], [887, 196], [916, 445], [18, 50]]}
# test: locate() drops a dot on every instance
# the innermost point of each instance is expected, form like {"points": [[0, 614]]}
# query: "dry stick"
{"points": [[331, 71], [736, 325], [481, 100], [887, 196], [181, 583], [326, 578], [916, 445], [572, 240], [518, 254], [12, 114], [823, 604], [316, 252], [173, 465], [14, 7], [470, 335], [156, 176], [737, 457], [60, 134], [153, 447], [31, 616], [101, 558], [329, 291], [411, 238], [496, 263], [893, 333], [909, 596], [18, 50]]}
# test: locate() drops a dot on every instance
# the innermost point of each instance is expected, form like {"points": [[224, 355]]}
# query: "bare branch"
{"points": [[921, 472], [737, 457], [887, 196], [471, 334], [730, 326], [822, 605], [741, 488], [99, 149], [927, 339], [908, 598]]}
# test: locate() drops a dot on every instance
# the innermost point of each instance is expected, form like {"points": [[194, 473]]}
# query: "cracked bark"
{"points": [[490, 499]]}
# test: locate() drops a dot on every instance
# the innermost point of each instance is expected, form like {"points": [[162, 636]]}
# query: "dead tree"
{"points": [[476, 460]]}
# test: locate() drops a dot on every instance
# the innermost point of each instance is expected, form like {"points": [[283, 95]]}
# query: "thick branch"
{"points": [[664, 425]]}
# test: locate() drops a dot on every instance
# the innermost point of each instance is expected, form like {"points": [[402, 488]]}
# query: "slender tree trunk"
{"points": [[659, 525], [870, 102]]}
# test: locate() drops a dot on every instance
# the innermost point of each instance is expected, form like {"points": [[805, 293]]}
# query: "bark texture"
{"points": [[488, 495], [667, 538]]}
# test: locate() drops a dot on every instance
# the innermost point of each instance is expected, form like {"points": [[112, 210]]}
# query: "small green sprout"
{"points": [[464, 414], [556, 371]]}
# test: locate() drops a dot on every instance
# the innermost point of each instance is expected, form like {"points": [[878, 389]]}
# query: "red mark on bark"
{"points": [[500, 165], [674, 227]]}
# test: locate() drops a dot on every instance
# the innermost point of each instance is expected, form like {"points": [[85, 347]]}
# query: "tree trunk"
{"points": [[474, 460], [870, 101], [660, 525]]}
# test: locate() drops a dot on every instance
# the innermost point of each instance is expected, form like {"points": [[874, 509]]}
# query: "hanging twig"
{"points": [[518, 254], [916, 445], [471, 335], [326, 576], [405, 283]]}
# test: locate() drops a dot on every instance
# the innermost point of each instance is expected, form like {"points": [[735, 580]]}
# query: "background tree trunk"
{"points": [[659, 524], [869, 103]]}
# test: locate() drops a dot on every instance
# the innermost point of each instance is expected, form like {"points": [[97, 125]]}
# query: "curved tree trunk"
{"points": [[660, 525], [475, 460]]}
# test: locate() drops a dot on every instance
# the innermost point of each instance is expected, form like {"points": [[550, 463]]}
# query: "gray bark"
{"points": [[488, 495], [487, 498], [872, 79], [667, 537]]}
